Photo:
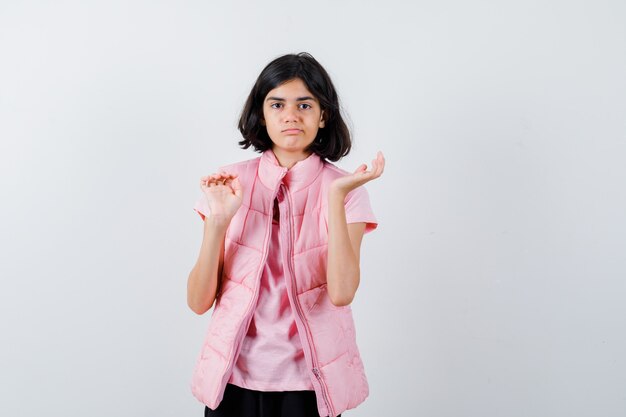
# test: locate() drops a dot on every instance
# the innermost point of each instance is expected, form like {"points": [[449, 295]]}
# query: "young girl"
{"points": [[280, 256]]}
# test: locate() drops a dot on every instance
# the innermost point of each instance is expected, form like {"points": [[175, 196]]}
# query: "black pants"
{"points": [[241, 402]]}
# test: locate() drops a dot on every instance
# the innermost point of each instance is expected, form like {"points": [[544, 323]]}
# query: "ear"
{"points": [[262, 122], [322, 121]]}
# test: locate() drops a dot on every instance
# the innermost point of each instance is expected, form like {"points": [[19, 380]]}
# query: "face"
{"points": [[292, 116]]}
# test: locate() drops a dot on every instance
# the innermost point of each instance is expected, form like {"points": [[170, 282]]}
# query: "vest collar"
{"points": [[301, 175]]}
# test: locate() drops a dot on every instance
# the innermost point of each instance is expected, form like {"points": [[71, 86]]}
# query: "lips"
{"points": [[291, 131]]}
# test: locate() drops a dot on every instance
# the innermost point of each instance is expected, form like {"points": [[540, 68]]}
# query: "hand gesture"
{"points": [[223, 193], [360, 176]]}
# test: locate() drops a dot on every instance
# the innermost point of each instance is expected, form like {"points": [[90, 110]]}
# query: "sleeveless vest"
{"points": [[326, 331]]}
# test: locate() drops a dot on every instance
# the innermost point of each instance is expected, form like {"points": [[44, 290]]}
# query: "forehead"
{"points": [[292, 89]]}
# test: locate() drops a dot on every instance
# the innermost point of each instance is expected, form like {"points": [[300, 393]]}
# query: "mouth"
{"points": [[291, 131]]}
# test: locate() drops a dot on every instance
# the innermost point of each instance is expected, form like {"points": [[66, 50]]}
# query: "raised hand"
{"points": [[223, 193], [360, 176]]}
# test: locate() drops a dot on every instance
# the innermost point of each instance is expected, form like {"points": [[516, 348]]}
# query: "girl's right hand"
{"points": [[223, 193]]}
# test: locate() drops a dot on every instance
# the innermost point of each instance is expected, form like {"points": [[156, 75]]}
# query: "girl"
{"points": [[280, 256]]}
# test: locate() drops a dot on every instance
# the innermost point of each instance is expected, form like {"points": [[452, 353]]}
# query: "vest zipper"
{"points": [[239, 339], [296, 303]]}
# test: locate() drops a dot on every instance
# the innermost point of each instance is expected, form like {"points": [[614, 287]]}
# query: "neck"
{"points": [[287, 159]]}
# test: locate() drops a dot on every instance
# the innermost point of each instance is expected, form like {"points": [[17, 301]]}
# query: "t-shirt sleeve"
{"points": [[202, 206], [358, 209]]}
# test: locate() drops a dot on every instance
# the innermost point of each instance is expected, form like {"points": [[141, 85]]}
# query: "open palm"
{"points": [[361, 175]]}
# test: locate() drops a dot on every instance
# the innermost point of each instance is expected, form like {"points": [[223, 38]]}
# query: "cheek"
{"points": [[271, 126], [270, 118]]}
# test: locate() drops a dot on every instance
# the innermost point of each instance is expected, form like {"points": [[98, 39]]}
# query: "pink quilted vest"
{"points": [[327, 331]]}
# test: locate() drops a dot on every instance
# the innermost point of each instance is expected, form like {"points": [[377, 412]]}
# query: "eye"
{"points": [[305, 106], [276, 105]]}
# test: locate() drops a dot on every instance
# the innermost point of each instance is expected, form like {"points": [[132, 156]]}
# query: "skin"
{"points": [[292, 116]]}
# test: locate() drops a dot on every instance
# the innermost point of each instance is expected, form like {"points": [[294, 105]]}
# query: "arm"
{"points": [[224, 195], [344, 247], [203, 279], [344, 240]]}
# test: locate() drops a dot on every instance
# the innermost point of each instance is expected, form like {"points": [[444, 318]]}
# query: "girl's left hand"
{"points": [[360, 176]]}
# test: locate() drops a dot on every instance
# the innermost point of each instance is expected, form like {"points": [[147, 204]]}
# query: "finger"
{"points": [[225, 174], [380, 165], [373, 173], [375, 168], [229, 181], [216, 179], [224, 179], [361, 168], [206, 180], [236, 186]]}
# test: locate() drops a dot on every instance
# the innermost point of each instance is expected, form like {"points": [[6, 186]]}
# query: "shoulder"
{"points": [[241, 167], [331, 171]]}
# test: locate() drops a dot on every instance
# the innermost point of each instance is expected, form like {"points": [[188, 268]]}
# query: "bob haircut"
{"points": [[332, 141]]}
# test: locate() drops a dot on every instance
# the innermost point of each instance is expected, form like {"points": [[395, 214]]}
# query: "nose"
{"points": [[290, 114]]}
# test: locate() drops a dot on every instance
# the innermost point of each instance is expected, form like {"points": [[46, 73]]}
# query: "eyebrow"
{"points": [[305, 98]]}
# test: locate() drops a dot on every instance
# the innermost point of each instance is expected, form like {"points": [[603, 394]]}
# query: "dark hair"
{"points": [[332, 141]]}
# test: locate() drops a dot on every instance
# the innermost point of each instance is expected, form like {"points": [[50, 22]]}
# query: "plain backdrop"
{"points": [[495, 285]]}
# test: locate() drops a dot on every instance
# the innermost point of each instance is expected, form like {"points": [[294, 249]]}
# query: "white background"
{"points": [[495, 284]]}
